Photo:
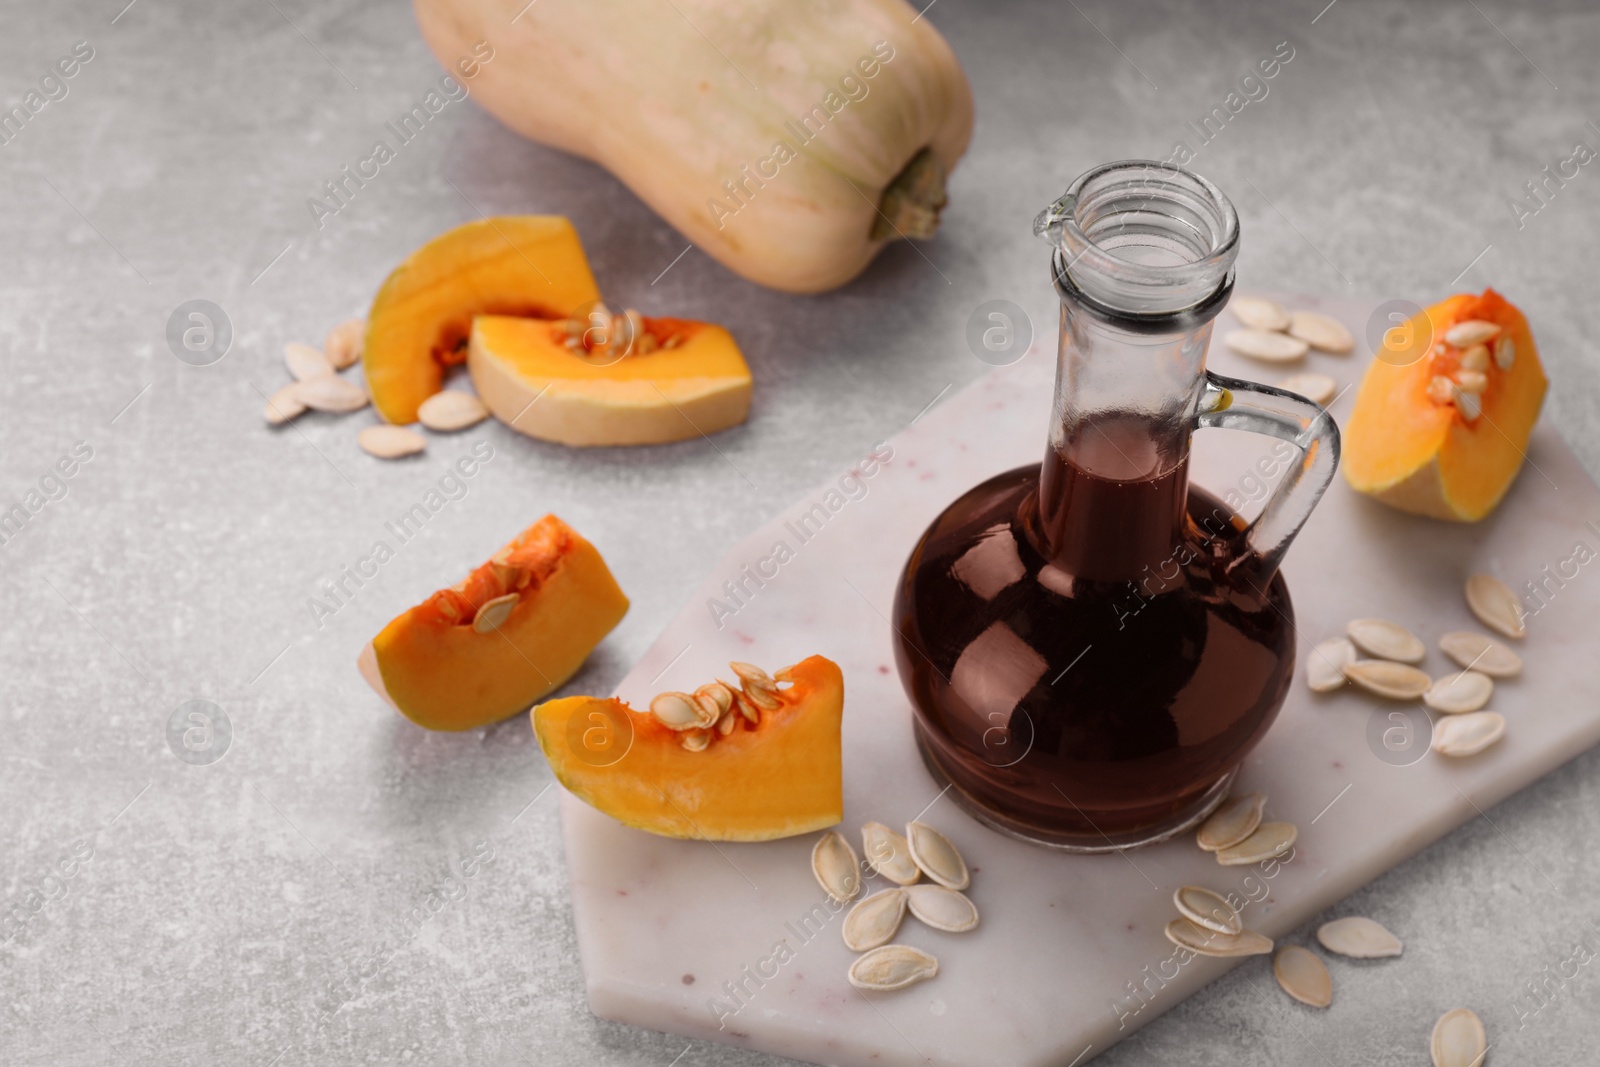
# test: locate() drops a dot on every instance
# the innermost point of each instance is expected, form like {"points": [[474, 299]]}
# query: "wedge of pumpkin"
{"points": [[1442, 421], [752, 764], [510, 633]]}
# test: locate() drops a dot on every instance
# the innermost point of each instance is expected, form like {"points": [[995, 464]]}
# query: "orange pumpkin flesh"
{"points": [[421, 317], [1420, 454], [778, 778], [442, 673], [698, 386]]}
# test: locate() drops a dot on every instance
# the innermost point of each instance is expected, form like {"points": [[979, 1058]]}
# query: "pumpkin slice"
{"points": [[745, 772], [509, 634], [419, 322], [1441, 424], [662, 380]]}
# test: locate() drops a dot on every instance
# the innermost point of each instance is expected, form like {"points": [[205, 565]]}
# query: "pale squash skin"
{"points": [[639, 90]]}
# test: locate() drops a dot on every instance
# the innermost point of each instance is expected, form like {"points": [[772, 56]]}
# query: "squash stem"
{"points": [[911, 203]]}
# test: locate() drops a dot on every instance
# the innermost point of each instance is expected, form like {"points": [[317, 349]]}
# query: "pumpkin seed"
{"points": [[1259, 313], [1441, 390], [1386, 640], [1471, 381], [695, 740], [1203, 942], [1475, 358], [1481, 653], [1397, 681], [305, 362], [715, 700], [1471, 332], [493, 612], [1322, 332], [1469, 734], [936, 856], [833, 862], [451, 410], [344, 343], [888, 854], [1325, 666], [1505, 352], [1458, 1040], [1469, 404], [284, 405], [331, 393], [1204, 908], [1303, 976], [1496, 606], [1317, 388], [1359, 938], [1235, 820], [941, 908], [726, 724], [874, 920], [1269, 841], [678, 711], [746, 708], [1455, 694], [1267, 347], [390, 442], [892, 967], [750, 674]]}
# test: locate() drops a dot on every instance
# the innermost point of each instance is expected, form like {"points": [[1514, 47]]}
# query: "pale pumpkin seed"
{"points": [[1235, 820], [1458, 1040], [1471, 381], [331, 393], [1359, 938], [1441, 390], [305, 362], [1397, 681], [451, 410], [284, 405], [892, 967], [1505, 352], [1259, 313], [1455, 694], [1480, 652], [1475, 358], [344, 343], [1322, 332], [494, 612], [1469, 404], [1205, 908], [1203, 942], [936, 856], [1471, 332], [1266, 346], [1467, 735], [941, 908], [678, 711], [695, 740], [750, 674], [874, 920], [1325, 666], [390, 442], [833, 862], [746, 708], [1270, 840], [1317, 388], [1496, 606], [889, 854], [1386, 640], [1303, 976]]}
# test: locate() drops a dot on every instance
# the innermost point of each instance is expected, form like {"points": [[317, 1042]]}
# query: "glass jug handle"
{"points": [[1241, 405]]}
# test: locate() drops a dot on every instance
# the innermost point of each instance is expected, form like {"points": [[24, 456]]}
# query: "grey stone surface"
{"points": [[226, 909]]}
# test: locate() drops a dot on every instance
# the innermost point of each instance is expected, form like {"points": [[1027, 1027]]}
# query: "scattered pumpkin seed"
{"points": [[1397, 681], [1496, 606], [1235, 820], [874, 920], [1505, 352], [1259, 313], [1480, 652], [1471, 381], [1475, 358], [1458, 1040], [1441, 390], [891, 967], [1267, 346], [1469, 404], [888, 854], [345, 342], [933, 853], [1471, 332], [1303, 976], [1322, 332], [1467, 735], [1359, 938], [331, 393], [1317, 388], [284, 405], [451, 410], [833, 862], [305, 362], [1203, 942], [390, 442], [1269, 841], [941, 908], [493, 612], [695, 740], [678, 711], [1455, 694], [1204, 908], [1325, 666], [1386, 640]]}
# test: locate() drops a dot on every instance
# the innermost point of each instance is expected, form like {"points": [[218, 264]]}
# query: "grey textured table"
{"points": [[292, 902]]}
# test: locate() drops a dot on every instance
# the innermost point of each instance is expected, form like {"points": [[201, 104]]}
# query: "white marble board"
{"points": [[1048, 977]]}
